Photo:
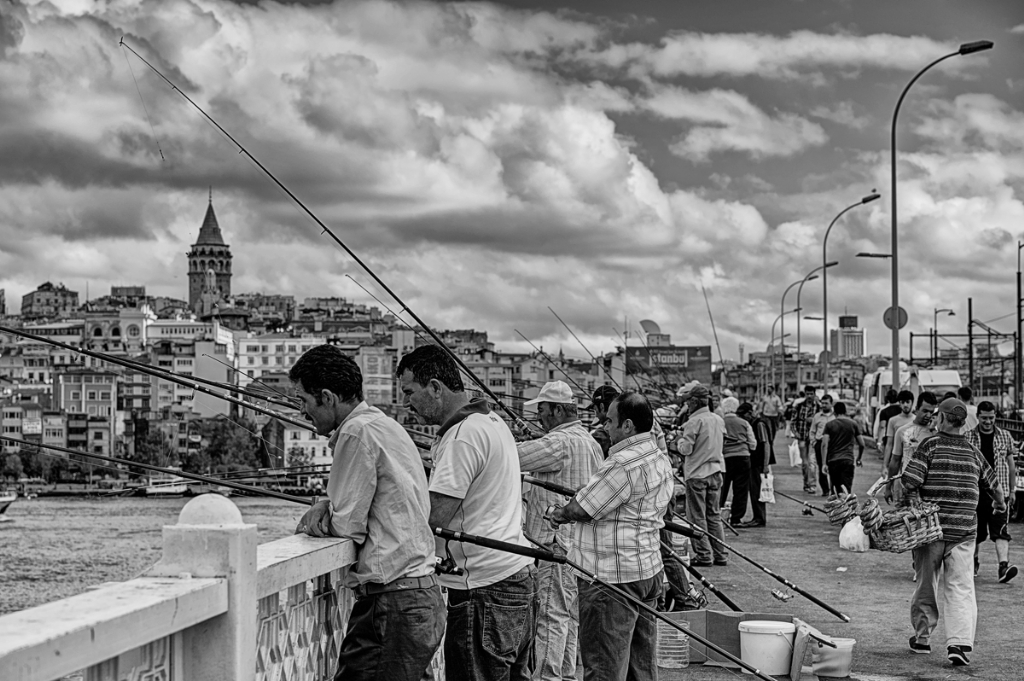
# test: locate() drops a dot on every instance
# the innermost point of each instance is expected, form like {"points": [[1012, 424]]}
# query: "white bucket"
{"points": [[767, 645], [834, 662]]}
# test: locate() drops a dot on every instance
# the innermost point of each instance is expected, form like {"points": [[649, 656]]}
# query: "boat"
{"points": [[6, 499], [166, 485]]}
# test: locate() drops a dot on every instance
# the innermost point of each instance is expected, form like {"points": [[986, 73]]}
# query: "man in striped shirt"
{"points": [[566, 455], [948, 471], [996, 445], [618, 514]]}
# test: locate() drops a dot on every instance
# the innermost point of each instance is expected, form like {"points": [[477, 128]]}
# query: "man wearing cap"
{"points": [[700, 445], [996, 445], [946, 470], [567, 455], [601, 400]]}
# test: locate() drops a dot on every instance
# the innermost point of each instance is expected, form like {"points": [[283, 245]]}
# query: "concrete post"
{"points": [[210, 540]]}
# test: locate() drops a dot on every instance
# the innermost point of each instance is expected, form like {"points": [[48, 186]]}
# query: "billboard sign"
{"points": [[676, 363]]}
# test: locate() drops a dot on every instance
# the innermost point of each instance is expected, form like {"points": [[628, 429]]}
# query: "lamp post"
{"points": [[782, 330], [771, 344], [873, 196], [800, 289], [966, 48], [935, 327]]}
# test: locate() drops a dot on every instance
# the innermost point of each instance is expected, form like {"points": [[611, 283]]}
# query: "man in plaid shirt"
{"points": [[617, 516], [805, 412], [998, 448], [566, 455]]}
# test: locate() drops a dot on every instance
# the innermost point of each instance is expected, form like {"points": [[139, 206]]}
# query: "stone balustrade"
{"points": [[217, 607]]}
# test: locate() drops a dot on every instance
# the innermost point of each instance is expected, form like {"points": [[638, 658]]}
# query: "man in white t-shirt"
{"points": [[475, 488]]}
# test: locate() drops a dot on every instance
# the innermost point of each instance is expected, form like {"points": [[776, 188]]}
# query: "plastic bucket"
{"points": [[767, 645], [834, 662], [673, 645]]}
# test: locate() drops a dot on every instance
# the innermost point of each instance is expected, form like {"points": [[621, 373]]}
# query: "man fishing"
{"points": [[377, 497], [566, 455], [617, 516], [475, 488]]}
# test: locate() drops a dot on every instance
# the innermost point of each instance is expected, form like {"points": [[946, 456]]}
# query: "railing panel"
{"points": [[93, 628]]}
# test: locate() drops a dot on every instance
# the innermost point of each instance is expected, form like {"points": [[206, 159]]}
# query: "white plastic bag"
{"points": [[767, 488], [794, 454], [852, 537]]}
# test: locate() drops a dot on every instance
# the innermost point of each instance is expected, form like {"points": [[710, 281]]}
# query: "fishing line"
{"points": [[552, 362], [599, 364], [326, 230], [289, 398], [144, 107]]}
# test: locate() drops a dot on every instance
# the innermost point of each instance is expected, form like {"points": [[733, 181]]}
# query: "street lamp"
{"points": [[1017, 346], [966, 48], [873, 196], [824, 271], [771, 344], [935, 326], [782, 330], [873, 255]]}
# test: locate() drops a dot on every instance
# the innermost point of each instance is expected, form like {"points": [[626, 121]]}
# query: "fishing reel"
{"points": [[447, 565], [780, 596]]}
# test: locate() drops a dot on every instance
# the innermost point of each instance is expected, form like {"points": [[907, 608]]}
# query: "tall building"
{"points": [[209, 263], [847, 341]]}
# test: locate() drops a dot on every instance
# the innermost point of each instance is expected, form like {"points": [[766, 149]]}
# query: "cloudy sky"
{"points": [[492, 159]]}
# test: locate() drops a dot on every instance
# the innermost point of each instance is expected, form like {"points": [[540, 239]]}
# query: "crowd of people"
{"points": [[502, 615]]}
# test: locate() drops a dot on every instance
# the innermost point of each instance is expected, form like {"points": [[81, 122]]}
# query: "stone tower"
{"points": [[209, 255]]}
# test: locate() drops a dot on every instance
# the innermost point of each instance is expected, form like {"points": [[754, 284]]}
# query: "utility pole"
{"points": [[1017, 371]]}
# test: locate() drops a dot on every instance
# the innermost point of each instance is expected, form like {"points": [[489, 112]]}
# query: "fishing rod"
{"points": [[327, 230], [713, 330], [167, 471], [552, 362], [700, 578], [694, 532], [803, 503], [625, 354], [145, 369], [545, 555], [291, 401], [676, 527], [600, 364]]}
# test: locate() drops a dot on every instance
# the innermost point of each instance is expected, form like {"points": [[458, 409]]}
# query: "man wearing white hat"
{"points": [[568, 455]]}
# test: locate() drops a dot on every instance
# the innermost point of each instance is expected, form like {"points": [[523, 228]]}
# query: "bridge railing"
{"points": [[217, 607]]}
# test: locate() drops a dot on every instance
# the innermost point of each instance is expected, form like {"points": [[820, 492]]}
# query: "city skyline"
{"points": [[489, 160]]}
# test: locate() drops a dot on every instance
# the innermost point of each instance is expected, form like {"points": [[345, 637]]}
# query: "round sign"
{"points": [[901, 318]]}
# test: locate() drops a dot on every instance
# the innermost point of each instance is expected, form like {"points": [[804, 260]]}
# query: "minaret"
{"points": [[209, 254]]}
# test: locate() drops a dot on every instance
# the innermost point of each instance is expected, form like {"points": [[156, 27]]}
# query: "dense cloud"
{"points": [[489, 162]]}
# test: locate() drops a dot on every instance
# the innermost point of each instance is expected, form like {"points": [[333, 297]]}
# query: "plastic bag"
{"points": [[767, 488], [852, 537], [794, 454]]}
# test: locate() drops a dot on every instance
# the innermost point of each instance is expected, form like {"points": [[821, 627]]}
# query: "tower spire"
{"points": [[211, 194]]}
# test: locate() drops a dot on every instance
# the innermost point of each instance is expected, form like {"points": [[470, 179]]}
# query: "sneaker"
{"points": [[957, 656], [919, 648], [1006, 572], [721, 563]]}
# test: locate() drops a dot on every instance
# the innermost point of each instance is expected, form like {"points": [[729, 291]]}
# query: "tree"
{"points": [[230, 445], [155, 449], [297, 456], [12, 467]]}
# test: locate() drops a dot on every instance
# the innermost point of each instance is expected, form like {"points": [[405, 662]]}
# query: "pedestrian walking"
{"points": [[838, 440], [566, 455], [737, 443], [761, 459], [377, 497], [905, 401], [617, 516], [803, 414], [996, 445], [700, 445], [948, 471], [771, 409], [475, 488], [818, 421], [907, 439], [966, 396]]}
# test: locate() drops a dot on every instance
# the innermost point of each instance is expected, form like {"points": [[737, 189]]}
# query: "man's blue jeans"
{"points": [[620, 641], [491, 630], [392, 636], [702, 509], [558, 620]]}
